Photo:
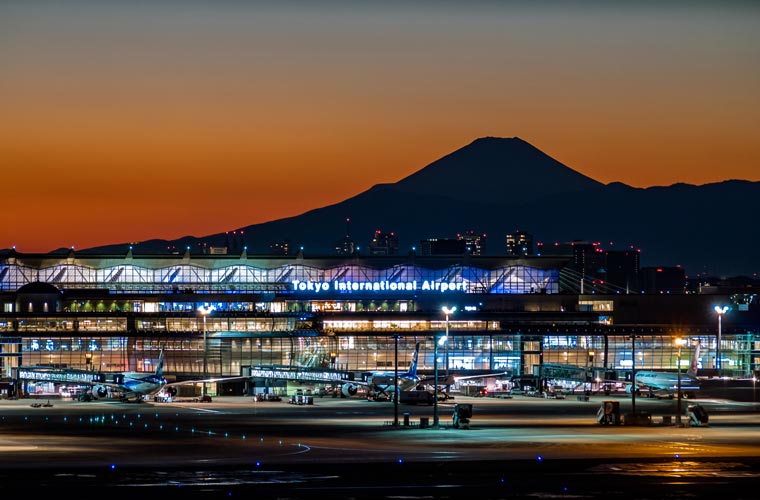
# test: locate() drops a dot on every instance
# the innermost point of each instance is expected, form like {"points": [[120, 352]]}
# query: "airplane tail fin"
{"points": [[692, 371], [160, 366], [412, 372]]}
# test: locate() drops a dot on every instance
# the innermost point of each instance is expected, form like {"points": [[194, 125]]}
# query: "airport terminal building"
{"points": [[231, 315]]}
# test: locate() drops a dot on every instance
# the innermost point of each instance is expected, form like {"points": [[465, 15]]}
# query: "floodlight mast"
{"points": [[448, 311], [720, 310], [205, 311], [680, 342]]}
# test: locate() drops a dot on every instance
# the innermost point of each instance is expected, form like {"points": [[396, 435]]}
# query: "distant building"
{"points": [[443, 246], [554, 249], [623, 270], [588, 258], [519, 243], [663, 280], [475, 244], [595, 270], [235, 241], [346, 246], [280, 247], [383, 243], [217, 250]]}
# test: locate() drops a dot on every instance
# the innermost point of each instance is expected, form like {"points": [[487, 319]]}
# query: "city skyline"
{"points": [[133, 121]]}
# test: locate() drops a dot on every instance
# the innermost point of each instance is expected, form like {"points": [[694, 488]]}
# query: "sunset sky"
{"points": [[130, 120]]}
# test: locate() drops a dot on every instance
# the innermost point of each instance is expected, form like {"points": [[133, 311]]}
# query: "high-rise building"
{"points": [[234, 241], [383, 243], [280, 247], [475, 244], [443, 246], [663, 280], [346, 246], [622, 268], [519, 243]]}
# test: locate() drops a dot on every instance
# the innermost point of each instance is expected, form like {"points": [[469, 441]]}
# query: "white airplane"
{"points": [[381, 385], [137, 386], [665, 384]]}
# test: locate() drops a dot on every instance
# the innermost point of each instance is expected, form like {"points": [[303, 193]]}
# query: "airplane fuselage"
{"points": [[137, 385], [666, 381]]}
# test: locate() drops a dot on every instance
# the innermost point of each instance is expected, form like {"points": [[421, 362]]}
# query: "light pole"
{"points": [[435, 380], [205, 311], [720, 310], [679, 343], [633, 376], [395, 381], [447, 311]]}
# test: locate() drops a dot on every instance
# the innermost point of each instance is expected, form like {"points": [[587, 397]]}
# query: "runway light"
{"points": [[401, 460], [113, 466], [540, 458]]}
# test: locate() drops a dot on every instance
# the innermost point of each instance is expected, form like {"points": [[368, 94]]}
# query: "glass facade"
{"points": [[116, 313]]}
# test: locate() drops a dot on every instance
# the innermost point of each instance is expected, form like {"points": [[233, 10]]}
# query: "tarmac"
{"points": [[339, 448]]}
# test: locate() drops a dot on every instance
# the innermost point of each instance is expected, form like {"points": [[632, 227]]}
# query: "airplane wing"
{"points": [[484, 375], [442, 380]]}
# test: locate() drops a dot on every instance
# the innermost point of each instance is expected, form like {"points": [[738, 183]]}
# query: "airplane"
{"points": [[137, 386], [381, 385], [665, 384]]}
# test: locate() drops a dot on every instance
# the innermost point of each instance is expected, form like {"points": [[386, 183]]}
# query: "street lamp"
{"points": [[720, 310], [205, 311], [447, 311], [395, 381], [680, 342]]}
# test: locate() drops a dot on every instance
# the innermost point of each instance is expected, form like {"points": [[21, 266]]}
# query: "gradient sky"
{"points": [[126, 121]]}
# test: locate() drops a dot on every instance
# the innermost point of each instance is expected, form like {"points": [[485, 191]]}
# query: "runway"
{"points": [[520, 447]]}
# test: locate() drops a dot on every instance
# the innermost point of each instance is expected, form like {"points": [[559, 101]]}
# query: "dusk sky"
{"points": [[126, 121]]}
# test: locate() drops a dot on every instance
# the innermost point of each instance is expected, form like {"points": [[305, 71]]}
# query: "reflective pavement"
{"points": [[340, 448]]}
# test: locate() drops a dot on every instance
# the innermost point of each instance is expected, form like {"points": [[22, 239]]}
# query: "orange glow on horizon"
{"points": [[128, 122]]}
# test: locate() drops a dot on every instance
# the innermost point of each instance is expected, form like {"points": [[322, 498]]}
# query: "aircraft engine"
{"points": [[100, 391], [349, 390]]}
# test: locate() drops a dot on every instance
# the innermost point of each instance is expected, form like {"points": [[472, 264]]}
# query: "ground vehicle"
{"points": [[416, 397]]}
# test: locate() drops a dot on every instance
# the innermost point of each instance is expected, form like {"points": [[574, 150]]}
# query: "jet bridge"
{"points": [[57, 375]]}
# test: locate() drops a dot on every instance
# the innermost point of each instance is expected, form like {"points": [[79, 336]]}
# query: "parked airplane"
{"points": [[137, 386], [381, 385], [665, 384]]}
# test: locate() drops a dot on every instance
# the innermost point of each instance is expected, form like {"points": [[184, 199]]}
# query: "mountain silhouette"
{"points": [[495, 186]]}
